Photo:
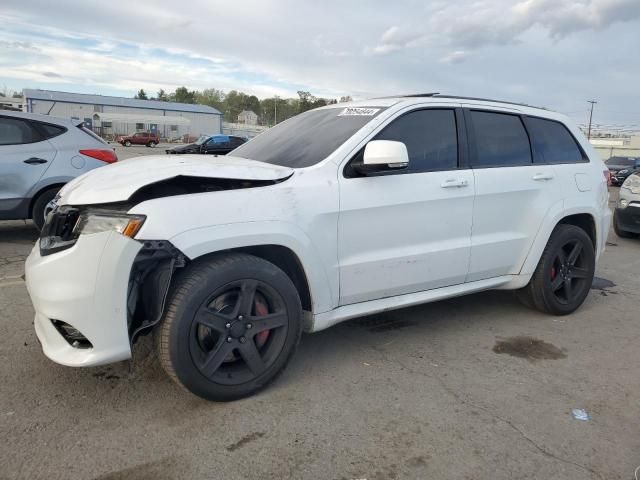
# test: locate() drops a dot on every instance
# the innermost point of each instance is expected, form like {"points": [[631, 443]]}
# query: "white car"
{"points": [[339, 212]]}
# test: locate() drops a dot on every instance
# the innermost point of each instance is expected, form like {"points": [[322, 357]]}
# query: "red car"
{"points": [[140, 138]]}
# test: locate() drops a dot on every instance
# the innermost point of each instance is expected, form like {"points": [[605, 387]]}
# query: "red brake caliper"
{"points": [[261, 309]]}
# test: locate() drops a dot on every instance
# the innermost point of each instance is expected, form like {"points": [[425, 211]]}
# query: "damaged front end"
{"points": [[149, 284]]}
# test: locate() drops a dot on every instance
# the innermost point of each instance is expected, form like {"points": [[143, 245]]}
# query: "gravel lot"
{"points": [[446, 390]]}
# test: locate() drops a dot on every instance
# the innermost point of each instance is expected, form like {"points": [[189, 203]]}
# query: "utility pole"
{"points": [[275, 108], [592, 102]]}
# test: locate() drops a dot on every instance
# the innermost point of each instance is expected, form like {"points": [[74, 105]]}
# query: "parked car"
{"points": [[341, 211], [210, 144], [38, 155], [626, 217], [140, 138], [621, 168]]}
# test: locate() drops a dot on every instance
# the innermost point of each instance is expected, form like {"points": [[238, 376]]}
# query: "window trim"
{"points": [[461, 137], [31, 125], [37, 124], [473, 145], [585, 157]]}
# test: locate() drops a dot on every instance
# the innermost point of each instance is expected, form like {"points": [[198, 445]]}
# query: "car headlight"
{"points": [[64, 226], [127, 225], [622, 172], [623, 204], [632, 183]]}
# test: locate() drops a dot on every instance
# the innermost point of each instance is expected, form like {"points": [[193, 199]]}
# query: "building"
{"points": [[11, 103], [622, 146], [248, 117], [113, 116], [242, 129]]}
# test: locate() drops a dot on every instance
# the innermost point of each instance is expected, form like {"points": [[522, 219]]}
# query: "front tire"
{"points": [[564, 274], [127, 143], [231, 325], [151, 144]]}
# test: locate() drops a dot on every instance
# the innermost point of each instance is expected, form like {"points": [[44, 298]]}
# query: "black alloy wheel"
{"points": [[231, 324]]}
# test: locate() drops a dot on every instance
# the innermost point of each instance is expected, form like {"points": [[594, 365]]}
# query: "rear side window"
{"points": [[430, 137], [51, 131], [15, 131], [501, 140], [552, 142]]}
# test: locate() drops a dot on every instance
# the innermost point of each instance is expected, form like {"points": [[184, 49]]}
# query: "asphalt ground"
{"points": [[477, 387]]}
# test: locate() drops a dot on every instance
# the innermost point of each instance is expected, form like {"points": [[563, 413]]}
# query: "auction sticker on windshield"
{"points": [[361, 111]]}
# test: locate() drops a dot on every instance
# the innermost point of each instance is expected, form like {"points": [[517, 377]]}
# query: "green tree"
{"points": [[162, 95], [141, 95], [212, 97], [346, 98], [182, 95]]}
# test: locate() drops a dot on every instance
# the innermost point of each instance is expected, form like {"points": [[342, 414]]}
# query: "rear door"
{"points": [[25, 155], [409, 230], [513, 194]]}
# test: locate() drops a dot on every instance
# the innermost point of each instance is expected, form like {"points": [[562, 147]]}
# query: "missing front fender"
{"points": [[149, 283]]}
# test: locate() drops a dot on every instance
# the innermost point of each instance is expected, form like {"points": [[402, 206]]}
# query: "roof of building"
{"points": [[68, 97], [245, 112]]}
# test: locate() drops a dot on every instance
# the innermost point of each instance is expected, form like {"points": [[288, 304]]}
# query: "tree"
{"points": [[212, 97], [162, 95], [141, 95], [17, 95], [182, 95], [305, 101], [346, 98]]}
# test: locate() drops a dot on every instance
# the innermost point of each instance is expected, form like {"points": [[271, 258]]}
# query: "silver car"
{"points": [[38, 155]]}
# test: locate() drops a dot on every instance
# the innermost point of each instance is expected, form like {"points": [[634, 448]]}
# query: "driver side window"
{"points": [[430, 136]]}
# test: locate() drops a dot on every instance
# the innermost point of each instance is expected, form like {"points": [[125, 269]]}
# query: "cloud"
{"points": [[51, 75], [503, 22], [536, 51]]}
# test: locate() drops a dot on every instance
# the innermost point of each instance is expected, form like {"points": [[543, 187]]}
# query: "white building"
{"points": [[607, 147], [248, 117], [113, 116]]}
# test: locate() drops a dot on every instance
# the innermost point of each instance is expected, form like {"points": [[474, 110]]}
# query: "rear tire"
{"points": [[40, 204], [151, 144], [127, 143], [564, 274], [619, 232], [231, 324]]}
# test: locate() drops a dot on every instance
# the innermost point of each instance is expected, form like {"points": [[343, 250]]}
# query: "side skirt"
{"points": [[346, 312]]}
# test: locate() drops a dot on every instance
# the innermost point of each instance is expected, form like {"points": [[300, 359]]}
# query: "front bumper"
{"points": [[629, 218], [86, 287]]}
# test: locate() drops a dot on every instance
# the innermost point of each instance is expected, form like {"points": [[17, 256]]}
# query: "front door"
{"points": [[24, 157], [407, 231]]}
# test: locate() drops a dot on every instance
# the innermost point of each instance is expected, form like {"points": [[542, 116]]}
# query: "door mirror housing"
{"points": [[382, 155]]}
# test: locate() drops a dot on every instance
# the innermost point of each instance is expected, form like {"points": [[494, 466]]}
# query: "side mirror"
{"points": [[381, 155]]}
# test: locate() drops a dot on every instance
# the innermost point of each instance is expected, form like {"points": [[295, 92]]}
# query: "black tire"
{"points": [[213, 326], [39, 205], [127, 143], [564, 274], [616, 228], [151, 144]]}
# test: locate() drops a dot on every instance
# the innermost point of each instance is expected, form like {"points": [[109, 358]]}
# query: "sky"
{"points": [[552, 53]]}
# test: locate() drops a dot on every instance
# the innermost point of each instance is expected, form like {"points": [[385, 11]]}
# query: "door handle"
{"points": [[35, 161], [542, 177], [454, 183]]}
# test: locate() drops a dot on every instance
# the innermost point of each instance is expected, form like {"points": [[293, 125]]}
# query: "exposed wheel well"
{"points": [[585, 222], [55, 186], [289, 263]]}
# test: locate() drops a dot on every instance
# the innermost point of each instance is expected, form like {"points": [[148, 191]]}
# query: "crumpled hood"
{"points": [[118, 181]]}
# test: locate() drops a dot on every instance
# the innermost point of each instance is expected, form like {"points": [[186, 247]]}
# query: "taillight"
{"points": [[607, 176], [107, 156]]}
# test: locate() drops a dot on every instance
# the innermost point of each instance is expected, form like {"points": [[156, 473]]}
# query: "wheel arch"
{"points": [[582, 217], [284, 245]]}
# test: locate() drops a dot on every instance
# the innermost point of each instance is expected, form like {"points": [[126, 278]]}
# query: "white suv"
{"points": [[342, 211]]}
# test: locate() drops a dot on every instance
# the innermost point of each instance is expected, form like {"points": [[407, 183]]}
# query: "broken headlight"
{"points": [[65, 224]]}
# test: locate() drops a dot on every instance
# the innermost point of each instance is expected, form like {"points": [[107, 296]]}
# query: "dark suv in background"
{"points": [[622, 167], [212, 145]]}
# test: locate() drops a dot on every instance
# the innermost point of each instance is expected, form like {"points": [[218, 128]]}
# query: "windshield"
{"points": [[308, 138], [621, 161], [202, 139]]}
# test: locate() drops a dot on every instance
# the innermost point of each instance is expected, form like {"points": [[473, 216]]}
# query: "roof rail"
{"points": [[484, 100], [431, 94]]}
